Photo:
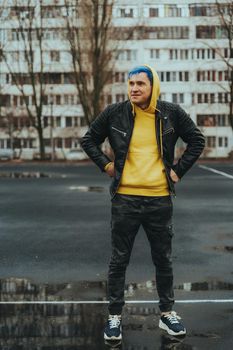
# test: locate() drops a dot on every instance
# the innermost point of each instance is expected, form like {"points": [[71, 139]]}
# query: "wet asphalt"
{"points": [[55, 246]]}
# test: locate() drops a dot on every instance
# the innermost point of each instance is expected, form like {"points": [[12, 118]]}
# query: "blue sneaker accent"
{"points": [[113, 328], [171, 324]]}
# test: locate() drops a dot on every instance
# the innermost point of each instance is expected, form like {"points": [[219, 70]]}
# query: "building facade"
{"points": [[184, 41]]}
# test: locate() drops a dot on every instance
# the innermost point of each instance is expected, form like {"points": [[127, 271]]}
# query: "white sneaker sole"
{"points": [[166, 328], [112, 338]]}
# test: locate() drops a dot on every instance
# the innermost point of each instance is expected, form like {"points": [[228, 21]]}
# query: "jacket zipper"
{"points": [[168, 131], [160, 147], [122, 132]]}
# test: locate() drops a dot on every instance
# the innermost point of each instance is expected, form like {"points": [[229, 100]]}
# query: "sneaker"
{"points": [[113, 328], [171, 324]]}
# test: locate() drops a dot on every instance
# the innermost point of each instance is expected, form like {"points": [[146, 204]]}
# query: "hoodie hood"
{"points": [[155, 92]]}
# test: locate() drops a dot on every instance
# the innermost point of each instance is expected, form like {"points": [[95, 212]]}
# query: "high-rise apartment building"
{"points": [[184, 41]]}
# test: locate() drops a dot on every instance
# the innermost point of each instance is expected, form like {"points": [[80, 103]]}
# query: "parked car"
{"points": [[76, 154], [6, 154]]}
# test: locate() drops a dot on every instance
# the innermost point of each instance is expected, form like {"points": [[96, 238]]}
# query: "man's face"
{"points": [[140, 90]]}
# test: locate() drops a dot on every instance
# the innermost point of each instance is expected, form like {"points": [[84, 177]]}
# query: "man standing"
{"points": [[142, 133]]}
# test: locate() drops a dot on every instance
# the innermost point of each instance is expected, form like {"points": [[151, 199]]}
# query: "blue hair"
{"points": [[141, 69]]}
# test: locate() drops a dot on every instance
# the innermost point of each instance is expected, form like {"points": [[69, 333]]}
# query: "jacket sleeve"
{"points": [[195, 140], [94, 137]]}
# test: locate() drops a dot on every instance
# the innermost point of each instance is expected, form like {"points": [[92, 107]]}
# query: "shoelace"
{"points": [[173, 317], [114, 321]]}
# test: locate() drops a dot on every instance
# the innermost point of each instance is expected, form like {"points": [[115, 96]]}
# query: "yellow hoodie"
{"points": [[144, 173]]}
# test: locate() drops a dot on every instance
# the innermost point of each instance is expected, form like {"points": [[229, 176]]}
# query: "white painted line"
{"points": [[216, 171], [191, 301]]}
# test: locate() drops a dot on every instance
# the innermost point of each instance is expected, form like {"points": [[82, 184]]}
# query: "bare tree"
{"points": [[28, 69], [2, 44], [225, 13], [89, 34], [6, 122]]}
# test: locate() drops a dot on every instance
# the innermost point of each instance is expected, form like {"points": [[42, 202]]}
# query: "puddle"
{"points": [[199, 286], [87, 188], [18, 289], [221, 236], [225, 248], [205, 335], [19, 175], [69, 326], [150, 286]]}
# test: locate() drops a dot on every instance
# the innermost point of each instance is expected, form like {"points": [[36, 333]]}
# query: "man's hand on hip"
{"points": [[110, 170], [173, 176]]}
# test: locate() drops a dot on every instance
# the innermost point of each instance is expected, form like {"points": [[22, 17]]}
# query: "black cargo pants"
{"points": [[155, 216]]}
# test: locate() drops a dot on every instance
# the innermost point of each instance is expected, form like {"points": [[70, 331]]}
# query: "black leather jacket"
{"points": [[116, 123]]}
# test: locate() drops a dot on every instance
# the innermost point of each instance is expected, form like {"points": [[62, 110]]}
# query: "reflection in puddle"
{"points": [[150, 287], [212, 285], [113, 344], [87, 188], [226, 248], [17, 289], [176, 343], [21, 289], [72, 326], [69, 326], [24, 175]]}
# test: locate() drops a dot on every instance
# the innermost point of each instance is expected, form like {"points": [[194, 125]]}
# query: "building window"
{"points": [[173, 54], [223, 120], [52, 78], [70, 99], [55, 56], [211, 141], [206, 120], [202, 10], [66, 100], [154, 53], [5, 100], [51, 11], [183, 76], [178, 98], [223, 142], [206, 98], [58, 122], [57, 99], [126, 12], [69, 78], [68, 143], [68, 122], [184, 54], [120, 97], [76, 121], [166, 32], [121, 77], [153, 12], [109, 99], [58, 142], [46, 122], [16, 143], [211, 32], [127, 55], [173, 76], [172, 11], [83, 121]]}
